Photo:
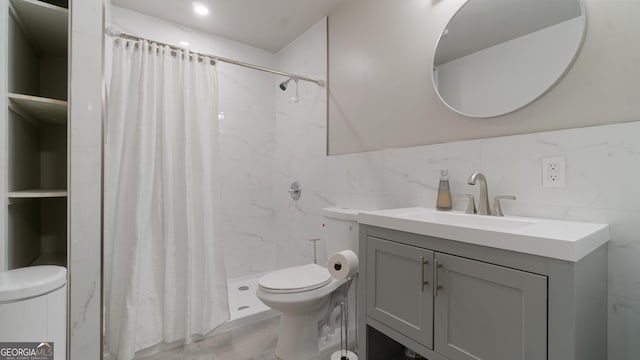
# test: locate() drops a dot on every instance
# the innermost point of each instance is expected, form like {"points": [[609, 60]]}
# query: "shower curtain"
{"points": [[164, 273]]}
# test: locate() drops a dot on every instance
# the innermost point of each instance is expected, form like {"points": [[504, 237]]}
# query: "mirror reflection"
{"points": [[497, 56]]}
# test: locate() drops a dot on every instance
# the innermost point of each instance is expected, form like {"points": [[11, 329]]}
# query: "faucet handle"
{"points": [[497, 210], [471, 206]]}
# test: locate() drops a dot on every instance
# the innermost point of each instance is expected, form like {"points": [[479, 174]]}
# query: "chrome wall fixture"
{"points": [[295, 190]]}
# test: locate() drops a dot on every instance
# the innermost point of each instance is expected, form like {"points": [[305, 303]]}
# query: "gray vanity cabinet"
{"points": [[485, 311], [478, 311], [490, 304], [399, 291]]}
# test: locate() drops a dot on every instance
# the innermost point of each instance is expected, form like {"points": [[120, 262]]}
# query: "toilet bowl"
{"points": [[304, 294]]}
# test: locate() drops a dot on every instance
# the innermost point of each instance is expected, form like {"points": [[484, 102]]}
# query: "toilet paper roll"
{"points": [[338, 355], [343, 264]]}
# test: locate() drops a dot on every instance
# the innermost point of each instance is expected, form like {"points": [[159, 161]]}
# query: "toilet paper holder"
{"points": [[315, 249]]}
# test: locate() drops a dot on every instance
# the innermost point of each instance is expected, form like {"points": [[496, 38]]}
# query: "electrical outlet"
{"points": [[553, 172]]}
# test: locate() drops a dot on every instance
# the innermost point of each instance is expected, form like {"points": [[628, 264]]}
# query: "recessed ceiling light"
{"points": [[200, 8], [184, 43]]}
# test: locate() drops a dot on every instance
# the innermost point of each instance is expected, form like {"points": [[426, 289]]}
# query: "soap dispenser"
{"points": [[444, 193]]}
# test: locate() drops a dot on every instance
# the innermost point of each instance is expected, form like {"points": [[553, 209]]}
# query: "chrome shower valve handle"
{"points": [[295, 190]]}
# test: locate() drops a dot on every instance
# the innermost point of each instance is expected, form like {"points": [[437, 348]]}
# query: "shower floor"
{"points": [[242, 298], [251, 333]]}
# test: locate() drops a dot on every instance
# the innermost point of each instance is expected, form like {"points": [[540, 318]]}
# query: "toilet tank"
{"points": [[340, 229]]}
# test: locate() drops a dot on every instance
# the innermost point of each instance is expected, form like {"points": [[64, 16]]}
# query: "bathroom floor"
{"points": [[256, 342]]}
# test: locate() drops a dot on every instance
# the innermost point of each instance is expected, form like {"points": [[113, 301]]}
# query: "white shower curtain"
{"points": [[164, 273]]}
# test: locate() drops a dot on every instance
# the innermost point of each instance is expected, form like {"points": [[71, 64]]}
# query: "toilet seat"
{"points": [[295, 279]]}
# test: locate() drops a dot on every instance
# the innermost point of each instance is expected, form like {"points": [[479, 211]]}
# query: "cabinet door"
{"points": [[489, 312], [399, 292]]}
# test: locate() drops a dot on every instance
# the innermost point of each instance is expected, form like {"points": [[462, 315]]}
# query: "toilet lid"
{"points": [[296, 279]]}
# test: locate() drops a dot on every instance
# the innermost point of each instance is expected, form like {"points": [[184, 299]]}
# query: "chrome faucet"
{"points": [[483, 203]]}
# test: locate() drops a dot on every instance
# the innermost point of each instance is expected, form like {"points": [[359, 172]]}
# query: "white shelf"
{"points": [[46, 25], [39, 108], [37, 193]]}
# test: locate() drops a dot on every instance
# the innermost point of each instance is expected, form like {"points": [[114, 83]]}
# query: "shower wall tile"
{"points": [[249, 235], [300, 149]]}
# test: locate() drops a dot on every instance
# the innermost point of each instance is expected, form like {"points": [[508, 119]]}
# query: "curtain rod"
{"points": [[116, 34]]}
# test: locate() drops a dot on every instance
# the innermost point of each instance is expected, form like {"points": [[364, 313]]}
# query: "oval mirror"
{"points": [[497, 56]]}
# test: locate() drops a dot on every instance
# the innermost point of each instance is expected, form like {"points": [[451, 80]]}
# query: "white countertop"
{"points": [[563, 240]]}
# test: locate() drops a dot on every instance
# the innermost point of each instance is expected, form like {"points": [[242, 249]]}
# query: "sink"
{"points": [[565, 240], [468, 220]]}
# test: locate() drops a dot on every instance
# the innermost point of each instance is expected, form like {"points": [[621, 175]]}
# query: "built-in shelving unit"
{"points": [[37, 194], [45, 25], [36, 126], [39, 108]]}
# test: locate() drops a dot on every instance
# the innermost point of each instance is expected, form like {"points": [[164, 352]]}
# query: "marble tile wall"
{"points": [[603, 164], [300, 150]]}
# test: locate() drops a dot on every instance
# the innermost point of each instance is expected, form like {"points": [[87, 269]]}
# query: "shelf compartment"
{"points": [[37, 231], [46, 25], [39, 108], [58, 258], [37, 194]]}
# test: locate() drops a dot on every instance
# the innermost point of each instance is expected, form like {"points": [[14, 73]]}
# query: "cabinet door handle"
{"points": [[423, 262], [436, 287]]}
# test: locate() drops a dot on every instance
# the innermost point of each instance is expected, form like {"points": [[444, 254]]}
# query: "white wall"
{"points": [[85, 172], [484, 84], [246, 98], [381, 94]]}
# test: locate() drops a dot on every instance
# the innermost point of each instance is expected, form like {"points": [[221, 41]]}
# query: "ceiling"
{"points": [[267, 24], [484, 23]]}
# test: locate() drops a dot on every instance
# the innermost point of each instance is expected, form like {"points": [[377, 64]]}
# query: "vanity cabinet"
{"points": [[484, 311], [461, 308], [449, 300], [398, 288]]}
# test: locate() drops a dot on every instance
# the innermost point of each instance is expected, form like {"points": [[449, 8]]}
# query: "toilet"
{"points": [[303, 294]]}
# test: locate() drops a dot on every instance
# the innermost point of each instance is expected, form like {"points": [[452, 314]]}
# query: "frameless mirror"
{"points": [[497, 56]]}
